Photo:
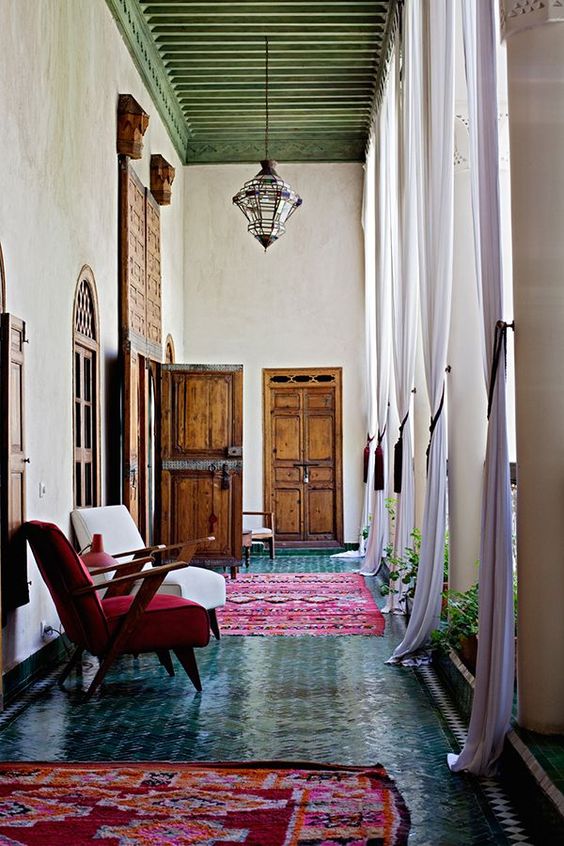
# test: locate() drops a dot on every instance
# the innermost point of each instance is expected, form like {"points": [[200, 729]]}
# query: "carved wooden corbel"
{"points": [[131, 125], [162, 177]]}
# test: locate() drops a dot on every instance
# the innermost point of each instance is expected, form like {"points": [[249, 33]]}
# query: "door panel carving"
{"points": [[287, 507], [287, 437]]}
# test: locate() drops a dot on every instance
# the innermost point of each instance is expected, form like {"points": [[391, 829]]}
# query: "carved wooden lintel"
{"points": [[131, 125], [162, 177]]}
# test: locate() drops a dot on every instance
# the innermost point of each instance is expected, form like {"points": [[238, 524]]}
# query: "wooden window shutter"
{"points": [[13, 462], [86, 393]]}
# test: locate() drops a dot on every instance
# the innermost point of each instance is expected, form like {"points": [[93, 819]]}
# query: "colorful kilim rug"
{"points": [[300, 604], [203, 804]]}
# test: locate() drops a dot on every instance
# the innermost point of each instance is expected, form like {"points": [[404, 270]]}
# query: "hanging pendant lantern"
{"points": [[266, 200]]}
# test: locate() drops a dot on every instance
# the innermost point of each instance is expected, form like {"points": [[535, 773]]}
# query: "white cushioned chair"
{"points": [[261, 526], [120, 534]]}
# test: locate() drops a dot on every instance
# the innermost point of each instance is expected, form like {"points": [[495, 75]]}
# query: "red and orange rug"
{"points": [[300, 604], [168, 804]]}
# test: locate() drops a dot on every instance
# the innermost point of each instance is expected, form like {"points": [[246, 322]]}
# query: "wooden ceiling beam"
{"points": [[207, 58]]}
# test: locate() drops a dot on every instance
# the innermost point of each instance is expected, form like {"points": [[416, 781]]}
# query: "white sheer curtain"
{"points": [[433, 73], [404, 303], [378, 534], [369, 227], [495, 668]]}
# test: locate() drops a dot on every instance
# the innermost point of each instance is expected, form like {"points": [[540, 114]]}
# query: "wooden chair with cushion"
{"points": [[120, 623], [260, 524], [123, 540]]}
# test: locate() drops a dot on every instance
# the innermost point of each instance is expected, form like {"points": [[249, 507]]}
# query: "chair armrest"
{"points": [[161, 547], [154, 573], [117, 566], [145, 549], [268, 514]]}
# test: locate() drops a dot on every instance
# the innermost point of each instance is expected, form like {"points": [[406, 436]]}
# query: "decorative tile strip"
{"points": [[206, 368], [233, 464], [501, 806], [541, 776]]}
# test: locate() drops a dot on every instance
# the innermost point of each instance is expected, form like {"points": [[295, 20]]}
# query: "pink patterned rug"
{"points": [[161, 804], [300, 604]]}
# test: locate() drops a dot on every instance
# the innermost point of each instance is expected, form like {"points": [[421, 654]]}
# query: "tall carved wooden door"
{"points": [[202, 457], [303, 455], [140, 329]]}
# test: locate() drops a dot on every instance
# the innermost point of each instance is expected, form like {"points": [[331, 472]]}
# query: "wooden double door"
{"points": [[303, 454], [184, 470]]}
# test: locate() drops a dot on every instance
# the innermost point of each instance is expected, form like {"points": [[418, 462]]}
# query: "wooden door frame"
{"points": [[337, 374]]}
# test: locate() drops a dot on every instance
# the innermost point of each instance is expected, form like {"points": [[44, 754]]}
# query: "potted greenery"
{"points": [[403, 570], [459, 629]]}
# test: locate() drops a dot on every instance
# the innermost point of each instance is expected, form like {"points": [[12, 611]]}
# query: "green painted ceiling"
{"points": [[204, 65]]}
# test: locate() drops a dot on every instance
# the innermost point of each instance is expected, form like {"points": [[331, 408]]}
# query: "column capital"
{"points": [[462, 137], [517, 15]]}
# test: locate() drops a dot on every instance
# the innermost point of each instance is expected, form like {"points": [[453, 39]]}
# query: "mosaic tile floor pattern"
{"points": [[324, 699]]}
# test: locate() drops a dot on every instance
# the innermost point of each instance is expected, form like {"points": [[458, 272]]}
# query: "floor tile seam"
{"points": [[439, 693]]}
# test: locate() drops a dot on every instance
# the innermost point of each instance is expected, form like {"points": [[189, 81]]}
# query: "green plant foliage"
{"points": [[461, 620], [403, 570]]}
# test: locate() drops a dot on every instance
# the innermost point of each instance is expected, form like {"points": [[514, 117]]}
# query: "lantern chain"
{"points": [[266, 100]]}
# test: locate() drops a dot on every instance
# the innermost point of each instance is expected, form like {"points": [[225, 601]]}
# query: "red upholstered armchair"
{"points": [[118, 623]]}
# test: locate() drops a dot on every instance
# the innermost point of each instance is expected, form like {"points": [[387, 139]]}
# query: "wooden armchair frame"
{"points": [[257, 535], [118, 623], [185, 552], [120, 584]]}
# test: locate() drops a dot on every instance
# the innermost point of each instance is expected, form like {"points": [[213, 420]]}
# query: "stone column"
{"points": [[535, 51], [466, 393]]}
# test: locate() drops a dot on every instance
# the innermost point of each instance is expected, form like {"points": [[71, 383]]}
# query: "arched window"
{"points": [[169, 350], [86, 392]]}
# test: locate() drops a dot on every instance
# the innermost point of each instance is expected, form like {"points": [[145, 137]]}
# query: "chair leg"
{"points": [[247, 556], [164, 657], [74, 659], [105, 664], [214, 625], [188, 660], [271, 545]]}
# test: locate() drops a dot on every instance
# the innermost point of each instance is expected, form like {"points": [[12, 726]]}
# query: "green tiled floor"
{"points": [[327, 699]]}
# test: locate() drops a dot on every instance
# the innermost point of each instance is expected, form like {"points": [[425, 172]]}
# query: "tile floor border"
{"points": [[536, 769], [29, 694], [498, 800]]}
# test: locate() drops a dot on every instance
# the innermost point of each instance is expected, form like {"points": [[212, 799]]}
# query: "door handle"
{"points": [[306, 465]]}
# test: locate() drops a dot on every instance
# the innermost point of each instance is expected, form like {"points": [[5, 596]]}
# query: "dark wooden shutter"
{"points": [[131, 432], [140, 330], [15, 591]]}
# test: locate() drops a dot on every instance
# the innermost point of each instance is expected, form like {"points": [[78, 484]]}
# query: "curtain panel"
{"points": [[495, 667], [378, 534], [432, 55]]}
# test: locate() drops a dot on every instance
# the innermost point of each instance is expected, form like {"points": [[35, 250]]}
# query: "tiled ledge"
{"points": [[520, 765]]}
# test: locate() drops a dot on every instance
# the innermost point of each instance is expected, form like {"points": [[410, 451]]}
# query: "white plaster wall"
{"points": [[298, 305], [64, 64]]}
